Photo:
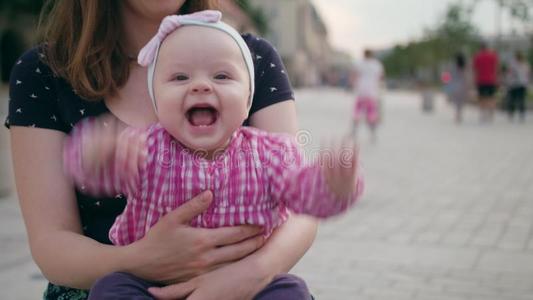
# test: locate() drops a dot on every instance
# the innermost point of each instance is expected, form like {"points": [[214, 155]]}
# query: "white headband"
{"points": [[207, 18]]}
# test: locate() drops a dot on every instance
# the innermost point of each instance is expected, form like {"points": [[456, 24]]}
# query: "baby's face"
{"points": [[201, 87]]}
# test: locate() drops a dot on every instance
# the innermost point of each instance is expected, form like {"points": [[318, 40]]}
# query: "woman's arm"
{"points": [[51, 215], [66, 257], [279, 117]]}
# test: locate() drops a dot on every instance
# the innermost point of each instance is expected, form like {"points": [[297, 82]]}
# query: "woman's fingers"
{"points": [[231, 235], [234, 252], [190, 209], [173, 291]]}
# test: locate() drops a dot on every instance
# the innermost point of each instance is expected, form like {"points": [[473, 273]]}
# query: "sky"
{"points": [[354, 25]]}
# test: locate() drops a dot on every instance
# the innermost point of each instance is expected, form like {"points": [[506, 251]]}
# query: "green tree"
{"points": [[455, 33], [256, 14]]}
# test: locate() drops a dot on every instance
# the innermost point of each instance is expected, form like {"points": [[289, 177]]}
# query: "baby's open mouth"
{"points": [[202, 115]]}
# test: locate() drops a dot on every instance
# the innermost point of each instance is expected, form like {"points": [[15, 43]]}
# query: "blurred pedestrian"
{"points": [[518, 74], [485, 65], [459, 86], [369, 74]]}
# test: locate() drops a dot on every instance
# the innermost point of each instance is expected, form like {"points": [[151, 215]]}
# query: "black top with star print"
{"points": [[40, 99]]}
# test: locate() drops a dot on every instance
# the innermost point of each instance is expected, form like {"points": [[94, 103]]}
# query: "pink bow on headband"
{"points": [[168, 25]]}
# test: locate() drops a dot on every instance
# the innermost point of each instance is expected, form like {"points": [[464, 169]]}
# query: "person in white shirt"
{"points": [[368, 79]]}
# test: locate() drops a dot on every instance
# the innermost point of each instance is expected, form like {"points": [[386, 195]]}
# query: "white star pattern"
{"points": [[82, 112], [32, 125], [272, 65], [18, 82], [262, 73], [19, 61], [33, 96], [38, 70], [19, 110], [258, 57], [283, 71], [41, 55], [46, 88], [273, 89], [53, 117]]}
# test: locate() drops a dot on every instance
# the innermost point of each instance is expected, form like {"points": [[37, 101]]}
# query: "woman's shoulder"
{"points": [[271, 78], [263, 52], [40, 98], [33, 60], [257, 44]]}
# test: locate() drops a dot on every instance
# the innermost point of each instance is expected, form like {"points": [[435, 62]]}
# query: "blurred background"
{"points": [[320, 41], [448, 212]]}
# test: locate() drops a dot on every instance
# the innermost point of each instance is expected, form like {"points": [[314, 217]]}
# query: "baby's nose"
{"points": [[201, 87]]}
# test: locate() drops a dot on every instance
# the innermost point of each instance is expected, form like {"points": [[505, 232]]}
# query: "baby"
{"points": [[201, 82]]}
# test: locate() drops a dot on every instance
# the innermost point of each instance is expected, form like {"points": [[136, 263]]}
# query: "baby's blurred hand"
{"points": [[339, 165], [109, 143], [130, 154]]}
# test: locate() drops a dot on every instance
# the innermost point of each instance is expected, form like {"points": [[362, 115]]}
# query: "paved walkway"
{"points": [[447, 214], [448, 211]]}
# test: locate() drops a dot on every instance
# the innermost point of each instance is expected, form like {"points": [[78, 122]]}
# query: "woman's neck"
{"points": [[137, 31]]}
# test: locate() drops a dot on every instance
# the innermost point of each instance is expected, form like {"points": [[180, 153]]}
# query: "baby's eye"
{"points": [[222, 76], [181, 77]]}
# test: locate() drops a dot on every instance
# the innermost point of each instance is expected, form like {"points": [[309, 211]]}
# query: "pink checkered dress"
{"points": [[257, 179]]}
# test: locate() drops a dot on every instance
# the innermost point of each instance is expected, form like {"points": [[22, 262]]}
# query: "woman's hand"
{"points": [[248, 276], [173, 252], [236, 281]]}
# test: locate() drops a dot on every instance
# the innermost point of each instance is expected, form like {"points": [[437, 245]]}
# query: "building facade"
{"points": [[301, 37]]}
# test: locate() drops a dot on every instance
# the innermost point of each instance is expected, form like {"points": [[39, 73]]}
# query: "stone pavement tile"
{"points": [[380, 293], [22, 282], [508, 261], [429, 237], [529, 246], [19, 276], [509, 284], [337, 292], [437, 296], [515, 238], [456, 238]]}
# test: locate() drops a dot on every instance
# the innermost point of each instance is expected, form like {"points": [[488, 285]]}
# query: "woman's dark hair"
{"points": [[82, 43]]}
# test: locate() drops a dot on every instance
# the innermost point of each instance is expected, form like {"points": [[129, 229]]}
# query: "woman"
{"points": [[459, 86], [86, 68]]}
